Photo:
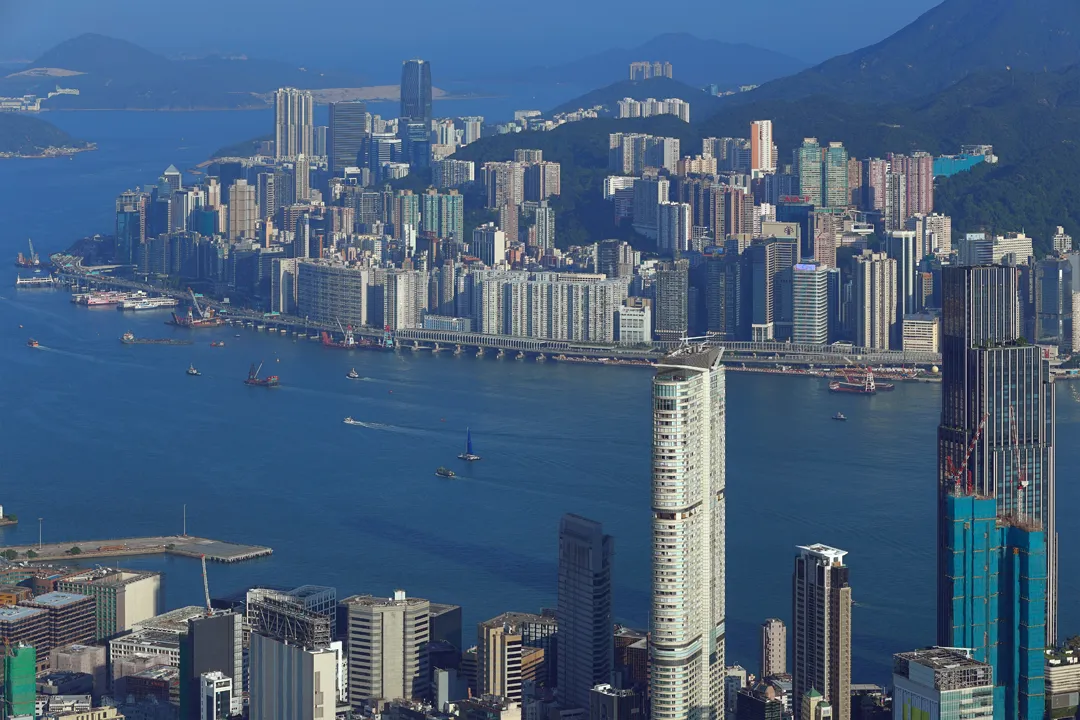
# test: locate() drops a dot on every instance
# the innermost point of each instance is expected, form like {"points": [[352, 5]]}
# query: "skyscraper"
{"points": [[293, 123], [387, 647], [350, 124], [875, 300], [416, 90], [686, 642], [212, 642], [761, 148], [903, 247], [242, 210], [807, 161], [821, 628], [586, 645], [988, 373], [773, 647], [671, 289], [810, 301], [835, 176]]}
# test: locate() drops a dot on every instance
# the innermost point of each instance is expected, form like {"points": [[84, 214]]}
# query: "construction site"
{"points": [[184, 545]]}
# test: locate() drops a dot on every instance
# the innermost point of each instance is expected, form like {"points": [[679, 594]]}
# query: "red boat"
{"points": [[254, 379], [866, 387]]}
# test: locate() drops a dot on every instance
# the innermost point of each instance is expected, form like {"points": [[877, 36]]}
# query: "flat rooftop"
{"points": [[373, 601], [149, 638], [516, 619], [159, 672], [15, 614], [109, 576], [941, 659], [56, 599], [174, 621], [833, 555]]}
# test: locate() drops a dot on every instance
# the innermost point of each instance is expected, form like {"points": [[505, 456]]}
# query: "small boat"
{"points": [[353, 375], [32, 343], [350, 421], [192, 371], [839, 416], [236, 335], [218, 343], [468, 455], [445, 472]]}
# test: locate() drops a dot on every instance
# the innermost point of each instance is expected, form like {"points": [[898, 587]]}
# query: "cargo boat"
{"points": [[190, 321], [129, 338], [256, 381], [867, 387]]}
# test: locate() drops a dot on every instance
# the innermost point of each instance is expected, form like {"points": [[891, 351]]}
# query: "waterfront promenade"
{"points": [[183, 545]]}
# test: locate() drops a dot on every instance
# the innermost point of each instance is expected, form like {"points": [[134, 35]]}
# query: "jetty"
{"points": [[182, 545]]}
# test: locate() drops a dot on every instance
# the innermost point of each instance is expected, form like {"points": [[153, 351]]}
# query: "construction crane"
{"points": [[206, 586], [1021, 474], [195, 303], [956, 474]]}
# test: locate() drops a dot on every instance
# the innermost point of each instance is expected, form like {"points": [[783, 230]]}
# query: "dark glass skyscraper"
{"points": [[416, 90], [989, 371], [350, 125]]}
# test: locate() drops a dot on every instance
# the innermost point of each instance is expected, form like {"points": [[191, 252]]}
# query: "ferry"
{"points": [[445, 472], [147, 303], [192, 371], [353, 375], [350, 421]]}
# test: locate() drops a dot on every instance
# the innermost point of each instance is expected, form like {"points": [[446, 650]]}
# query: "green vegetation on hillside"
{"points": [[243, 149], [28, 135]]}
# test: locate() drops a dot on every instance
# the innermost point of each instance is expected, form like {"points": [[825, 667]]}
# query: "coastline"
{"points": [[50, 152]]}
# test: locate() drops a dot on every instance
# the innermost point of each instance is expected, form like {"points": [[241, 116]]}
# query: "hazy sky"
{"points": [[511, 33]]}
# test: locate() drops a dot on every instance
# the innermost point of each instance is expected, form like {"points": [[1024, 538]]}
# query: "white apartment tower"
{"points": [[293, 123], [762, 154], [875, 300], [686, 645], [821, 629]]}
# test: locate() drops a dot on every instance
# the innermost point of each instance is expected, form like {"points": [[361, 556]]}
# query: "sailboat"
{"points": [[468, 455]]}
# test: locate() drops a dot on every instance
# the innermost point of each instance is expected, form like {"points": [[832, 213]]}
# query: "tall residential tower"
{"points": [[293, 123], [821, 629], [686, 643]]}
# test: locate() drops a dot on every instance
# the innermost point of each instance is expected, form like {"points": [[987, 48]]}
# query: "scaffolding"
{"points": [[283, 618]]}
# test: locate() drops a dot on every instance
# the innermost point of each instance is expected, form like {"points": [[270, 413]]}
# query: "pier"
{"points": [[43, 281], [182, 545]]}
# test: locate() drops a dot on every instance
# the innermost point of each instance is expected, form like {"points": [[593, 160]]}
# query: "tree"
{"points": [[31, 554], [10, 554], [75, 550]]}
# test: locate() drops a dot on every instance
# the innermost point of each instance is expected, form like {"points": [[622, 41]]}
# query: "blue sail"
{"points": [[468, 441]]}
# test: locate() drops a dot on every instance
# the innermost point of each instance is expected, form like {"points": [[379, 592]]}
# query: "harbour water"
{"points": [[102, 439]]}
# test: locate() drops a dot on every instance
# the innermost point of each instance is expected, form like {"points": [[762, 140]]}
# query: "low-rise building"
{"points": [[1062, 683], [942, 684]]}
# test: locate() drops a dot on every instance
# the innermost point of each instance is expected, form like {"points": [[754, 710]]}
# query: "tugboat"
{"points": [[350, 421], [254, 379], [468, 455], [32, 343], [839, 416], [445, 472], [353, 375]]}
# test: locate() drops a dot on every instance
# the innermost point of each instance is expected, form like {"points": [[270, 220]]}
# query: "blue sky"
{"points": [[348, 33]]}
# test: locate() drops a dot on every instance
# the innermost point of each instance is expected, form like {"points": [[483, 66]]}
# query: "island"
{"points": [[26, 136]]}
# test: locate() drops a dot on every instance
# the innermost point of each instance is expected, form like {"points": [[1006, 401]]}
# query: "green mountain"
{"points": [[694, 60], [116, 74], [702, 104], [945, 45], [28, 135]]}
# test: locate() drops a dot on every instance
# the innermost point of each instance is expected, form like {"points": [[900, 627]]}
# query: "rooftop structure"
{"points": [[57, 600], [174, 621]]}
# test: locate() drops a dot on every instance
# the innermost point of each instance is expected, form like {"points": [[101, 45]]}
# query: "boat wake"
{"points": [[391, 428]]}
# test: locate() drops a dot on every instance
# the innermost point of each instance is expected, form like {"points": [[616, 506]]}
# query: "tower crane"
{"points": [[956, 474], [206, 585]]}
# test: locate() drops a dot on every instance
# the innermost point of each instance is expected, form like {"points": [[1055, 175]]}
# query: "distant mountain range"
{"points": [[695, 61], [116, 74], [945, 45]]}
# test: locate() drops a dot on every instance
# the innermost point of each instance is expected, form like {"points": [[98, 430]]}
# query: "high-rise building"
{"points": [[773, 648], [498, 660], [769, 271], [810, 301], [650, 191], [131, 225], [350, 124], [472, 127], [544, 220], [489, 244], [674, 226], [405, 299], [302, 179], [874, 287], [452, 173], [808, 166], [243, 210], [821, 628], [996, 572], [1062, 241], [20, 686], [291, 680], [686, 643], [835, 176], [72, 618], [1057, 281], [293, 123], [942, 684], [988, 373], [416, 90], [387, 647], [212, 643], [586, 645], [762, 158], [124, 597], [215, 696], [671, 286], [903, 247]]}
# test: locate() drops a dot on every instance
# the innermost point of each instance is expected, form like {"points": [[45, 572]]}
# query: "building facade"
{"points": [[821, 629], [942, 684], [874, 290], [773, 648], [124, 597], [387, 655], [293, 123], [686, 644], [291, 681]]}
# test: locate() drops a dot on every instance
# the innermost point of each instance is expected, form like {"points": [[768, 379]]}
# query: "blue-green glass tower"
{"points": [[996, 571]]}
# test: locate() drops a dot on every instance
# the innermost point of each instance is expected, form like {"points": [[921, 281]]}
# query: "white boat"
{"points": [[468, 455], [350, 421], [353, 375]]}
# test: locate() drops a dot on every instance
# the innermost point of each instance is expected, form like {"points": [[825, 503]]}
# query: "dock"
{"points": [[43, 281], [182, 545]]}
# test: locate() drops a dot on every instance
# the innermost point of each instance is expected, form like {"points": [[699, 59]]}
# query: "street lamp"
{"points": [[39, 534]]}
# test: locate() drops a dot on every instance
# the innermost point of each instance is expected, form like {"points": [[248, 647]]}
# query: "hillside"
{"points": [[702, 104], [25, 135], [943, 46], [116, 74], [695, 61]]}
